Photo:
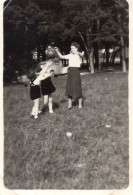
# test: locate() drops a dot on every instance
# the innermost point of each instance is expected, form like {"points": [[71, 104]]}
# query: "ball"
{"points": [[50, 53]]}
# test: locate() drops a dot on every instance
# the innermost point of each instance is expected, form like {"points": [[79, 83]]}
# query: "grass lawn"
{"points": [[38, 154]]}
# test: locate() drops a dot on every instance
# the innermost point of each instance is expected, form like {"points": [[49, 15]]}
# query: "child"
{"points": [[73, 87], [47, 88], [35, 93], [35, 76]]}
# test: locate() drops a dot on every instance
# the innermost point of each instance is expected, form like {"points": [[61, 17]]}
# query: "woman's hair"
{"points": [[75, 44]]}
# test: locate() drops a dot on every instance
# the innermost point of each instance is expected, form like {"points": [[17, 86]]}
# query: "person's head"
{"points": [[74, 47]]}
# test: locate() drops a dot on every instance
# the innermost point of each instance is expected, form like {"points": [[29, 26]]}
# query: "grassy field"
{"points": [[38, 154]]}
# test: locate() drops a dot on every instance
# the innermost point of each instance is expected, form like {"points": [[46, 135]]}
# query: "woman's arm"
{"points": [[58, 53]]}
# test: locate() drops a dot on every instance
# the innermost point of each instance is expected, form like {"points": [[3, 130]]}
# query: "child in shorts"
{"points": [[35, 93], [36, 75], [47, 88]]}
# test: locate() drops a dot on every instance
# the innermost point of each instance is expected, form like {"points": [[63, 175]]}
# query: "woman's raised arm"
{"points": [[58, 53]]}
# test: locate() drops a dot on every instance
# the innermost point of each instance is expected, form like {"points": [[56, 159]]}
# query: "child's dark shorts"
{"points": [[35, 92], [47, 87]]}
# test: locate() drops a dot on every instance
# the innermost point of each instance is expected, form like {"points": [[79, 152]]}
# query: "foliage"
{"points": [[35, 24]]}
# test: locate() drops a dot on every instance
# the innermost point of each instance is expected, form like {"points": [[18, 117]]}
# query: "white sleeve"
{"points": [[37, 81], [40, 78], [66, 57]]}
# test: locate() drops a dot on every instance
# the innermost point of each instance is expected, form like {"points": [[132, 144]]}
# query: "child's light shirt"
{"points": [[74, 60]]}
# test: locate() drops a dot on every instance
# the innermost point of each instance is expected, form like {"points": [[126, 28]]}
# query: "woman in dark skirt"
{"points": [[73, 86]]}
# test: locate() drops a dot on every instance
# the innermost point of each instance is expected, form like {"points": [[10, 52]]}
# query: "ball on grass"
{"points": [[107, 126], [69, 134]]}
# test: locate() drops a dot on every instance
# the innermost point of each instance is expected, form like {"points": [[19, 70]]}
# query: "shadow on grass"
{"points": [[75, 101], [63, 101], [55, 105]]}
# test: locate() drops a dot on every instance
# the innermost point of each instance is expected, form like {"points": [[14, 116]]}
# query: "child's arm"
{"points": [[44, 76], [36, 81], [41, 77]]}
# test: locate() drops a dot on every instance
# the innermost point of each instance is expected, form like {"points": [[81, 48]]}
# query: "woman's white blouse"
{"points": [[74, 60]]}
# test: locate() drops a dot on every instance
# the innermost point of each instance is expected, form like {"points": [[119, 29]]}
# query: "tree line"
{"points": [[31, 25]]}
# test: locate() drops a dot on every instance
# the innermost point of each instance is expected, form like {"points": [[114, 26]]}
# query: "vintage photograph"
{"points": [[65, 94]]}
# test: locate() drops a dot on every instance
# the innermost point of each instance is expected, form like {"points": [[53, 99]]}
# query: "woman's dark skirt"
{"points": [[73, 87], [47, 87]]}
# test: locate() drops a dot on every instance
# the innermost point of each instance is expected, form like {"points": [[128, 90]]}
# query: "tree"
{"points": [[34, 24], [122, 21]]}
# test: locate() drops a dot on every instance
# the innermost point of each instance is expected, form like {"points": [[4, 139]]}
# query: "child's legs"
{"points": [[44, 103], [45, 99], [69, 101], [80, 102], [50, 103], [35, 107], [35, 95]]}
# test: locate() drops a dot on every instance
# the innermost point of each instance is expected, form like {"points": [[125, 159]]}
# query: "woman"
{"points": [[73, 87]]}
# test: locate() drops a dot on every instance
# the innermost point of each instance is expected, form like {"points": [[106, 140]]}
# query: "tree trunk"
{"points": [[91, 50], [114, 55], [97, 51], [86, 48], [96, 56], [100, 55], [123, 45], [123, 61], [91, 59]]}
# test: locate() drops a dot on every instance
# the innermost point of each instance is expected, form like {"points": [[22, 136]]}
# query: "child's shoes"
{"points": [[39, 112], [36, 117], [80, 107], [51, 111], [32, 114]]}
